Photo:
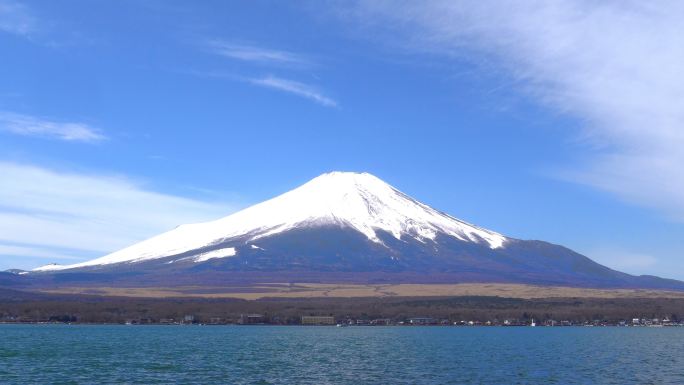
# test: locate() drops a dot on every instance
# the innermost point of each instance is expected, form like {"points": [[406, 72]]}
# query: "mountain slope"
{"points": [[342, 227]]}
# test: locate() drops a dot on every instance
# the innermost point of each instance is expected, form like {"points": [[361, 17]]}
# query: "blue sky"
{"points": [[559, 121]]}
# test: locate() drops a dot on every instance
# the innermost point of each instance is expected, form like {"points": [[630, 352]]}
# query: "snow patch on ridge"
{"points": [[214, 254], [49, 267]]}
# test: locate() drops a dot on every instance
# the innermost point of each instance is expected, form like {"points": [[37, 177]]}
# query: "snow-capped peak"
{"points": [[357, 200]]}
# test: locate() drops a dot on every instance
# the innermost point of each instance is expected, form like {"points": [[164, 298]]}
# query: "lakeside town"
{"points": [[330, 320]]}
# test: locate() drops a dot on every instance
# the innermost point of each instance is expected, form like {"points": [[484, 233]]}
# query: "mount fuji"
{"points": [[341, 227]]}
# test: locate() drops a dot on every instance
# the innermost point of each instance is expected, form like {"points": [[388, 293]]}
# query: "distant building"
{"points": [[381, 321], [252, 319], [188, 319], [318, 320], [422, 321]]}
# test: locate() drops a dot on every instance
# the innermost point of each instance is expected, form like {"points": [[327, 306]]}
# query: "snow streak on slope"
{"points": [[357, 200], [214, 254]]}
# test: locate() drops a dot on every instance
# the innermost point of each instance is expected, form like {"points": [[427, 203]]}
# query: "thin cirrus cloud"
{"points": [[272, 58], [255, 54], [296, 88], [82, 216], [627, 261], [615, 66], [15, 18], [26, 125]]}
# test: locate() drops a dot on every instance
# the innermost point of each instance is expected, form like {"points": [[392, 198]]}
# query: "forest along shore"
{"points": [[27, 307]]}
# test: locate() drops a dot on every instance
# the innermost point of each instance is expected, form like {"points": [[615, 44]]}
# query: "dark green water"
{"points": [[61, 354]]}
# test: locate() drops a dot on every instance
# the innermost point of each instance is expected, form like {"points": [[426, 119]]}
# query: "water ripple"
{"points": [[56, 354]]}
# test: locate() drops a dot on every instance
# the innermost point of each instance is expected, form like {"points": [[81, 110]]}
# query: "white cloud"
{"points": [[32, 126], [269, 57], [628, 262], [38, 253], [624, 261], [616, 66], [16, 19], [251, 53], [44, 212], [296, 88]]}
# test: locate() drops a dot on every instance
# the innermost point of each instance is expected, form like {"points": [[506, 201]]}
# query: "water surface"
{"points": [[69, 354]]}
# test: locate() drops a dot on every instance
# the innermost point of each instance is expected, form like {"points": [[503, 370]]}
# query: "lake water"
{"points": [[63, 354]]}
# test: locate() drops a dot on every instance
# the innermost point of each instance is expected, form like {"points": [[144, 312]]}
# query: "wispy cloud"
{"points": [[32, 126], [44, 212], [258, 55], [616, 66], [255, 54], [16, 19], [627, 261], [296, 88], [40, 254]]}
